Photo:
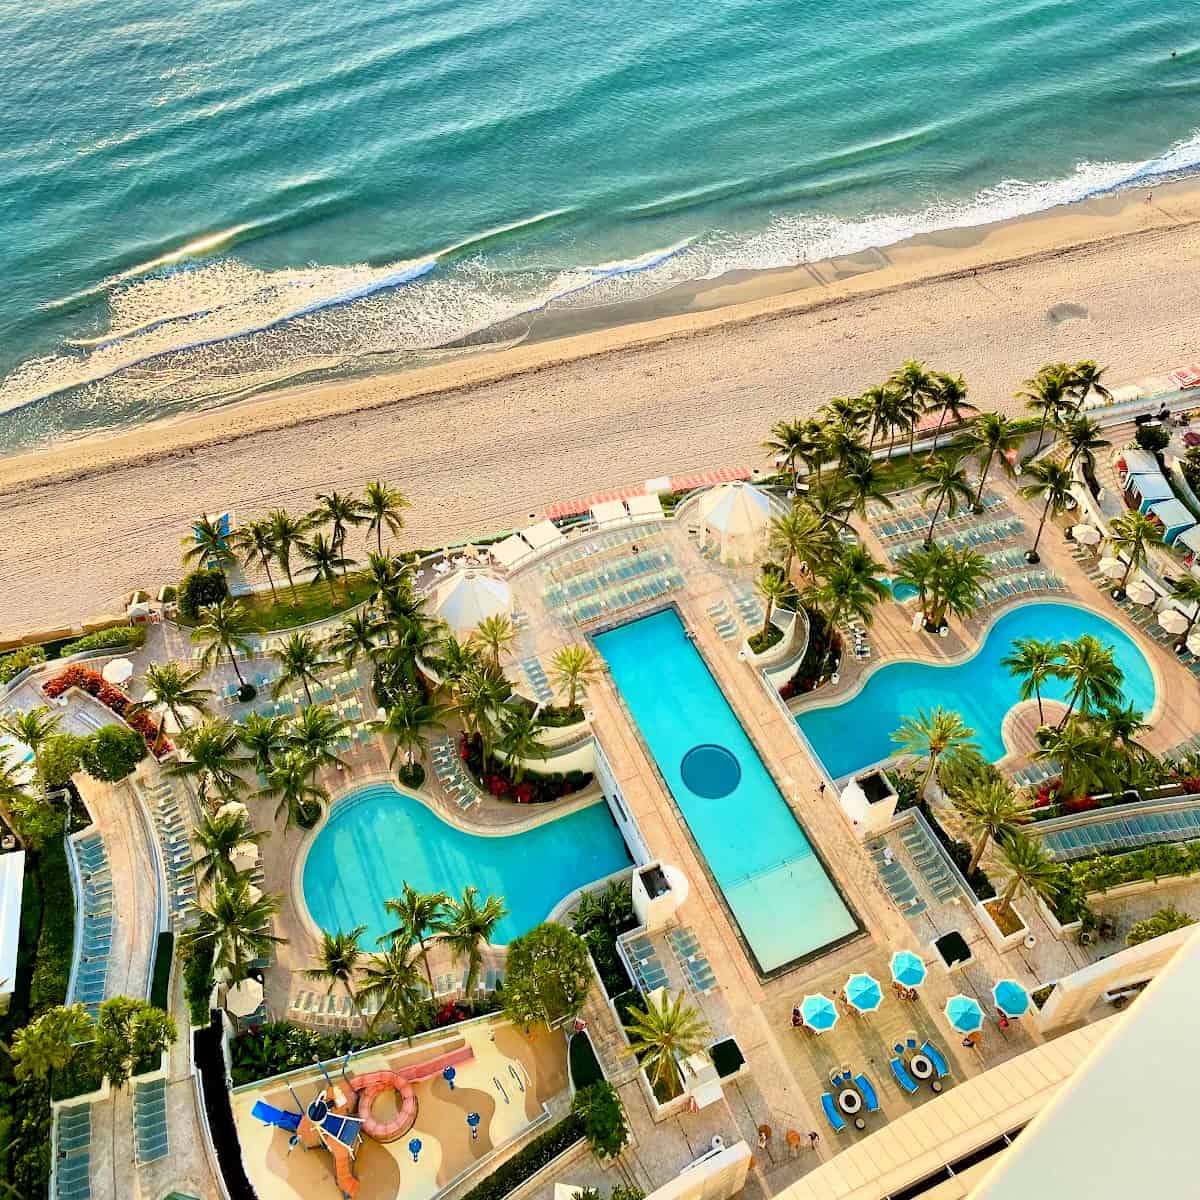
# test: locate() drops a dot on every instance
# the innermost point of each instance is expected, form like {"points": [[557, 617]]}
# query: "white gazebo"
{"points": [[734, 518], [468, 597]]}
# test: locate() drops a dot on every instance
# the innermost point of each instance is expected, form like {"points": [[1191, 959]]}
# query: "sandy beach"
{"points": [[688, 380]]}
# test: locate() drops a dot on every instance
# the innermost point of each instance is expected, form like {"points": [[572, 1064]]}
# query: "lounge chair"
{"points": [[834, 1117], [903, 1078], [935, 1056], [870, 1099]]}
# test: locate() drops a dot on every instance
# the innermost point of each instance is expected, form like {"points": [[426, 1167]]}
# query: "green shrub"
{"points": [[160, 984], [81, 1076], [411, 774], [200, 589], [1166, 920], [1154, 438], [112, 752], [11, 665], [528, 1161], [603, 1118], [60, 758], [56, 939], [197, 958], [559, 716], [765, 639], [581, 1058], [628, 1191], [546, 975], [115, 638]]}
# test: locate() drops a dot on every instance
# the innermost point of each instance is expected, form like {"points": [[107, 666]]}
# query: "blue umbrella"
{"points": [[863, 993], [818, 1013], [1011, 998], [964, 1014], [908, 969]]}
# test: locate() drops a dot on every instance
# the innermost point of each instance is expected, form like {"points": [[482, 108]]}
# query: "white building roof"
{"points": [[609, 512], [543, 535], [12, 879], [645, 506], [511, 551]]}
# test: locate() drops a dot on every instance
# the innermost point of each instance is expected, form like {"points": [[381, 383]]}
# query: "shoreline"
{"points": [[682, 312]]}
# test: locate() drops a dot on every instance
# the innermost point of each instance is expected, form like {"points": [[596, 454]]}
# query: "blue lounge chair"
{"points": [[936, 1057], [831, 1112], [867, 1089], [903, 1078]]}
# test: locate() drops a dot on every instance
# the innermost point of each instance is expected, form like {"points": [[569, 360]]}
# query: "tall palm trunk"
{"points": [[987, 466], [1041, 431], [307, 693], [332, 593], [233, 659], [266, 562], [767, 618], [1042, 524], [425, 961], [937, 512], [977, 854]]}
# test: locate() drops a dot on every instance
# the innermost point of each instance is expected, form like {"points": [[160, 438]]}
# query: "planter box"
{"points": [[661, 1112], [1063, 933], [1000, 940], [783, 649]]}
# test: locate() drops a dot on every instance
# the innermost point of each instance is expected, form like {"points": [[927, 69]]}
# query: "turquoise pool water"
{"points": [[773, 882], [847, 737], [378, 838]]}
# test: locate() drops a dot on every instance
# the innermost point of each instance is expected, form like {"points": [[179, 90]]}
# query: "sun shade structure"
{"points": [[818, 1013], [1173, 515], [908, 969], [1114, 568], [118, 670], [511, 552], [645, 508], [1141, 593], [543, 535], [964, 1014], [468, 597], [1190, 539], [1172, 620], [609, 513], [734, 519], [1011, 998], [1148, 489], [244, 998], [245, 854], [864, 993], [1138, 461], [1086, 535]]}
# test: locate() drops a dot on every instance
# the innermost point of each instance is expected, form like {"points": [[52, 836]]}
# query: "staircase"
{"points": [[615, 1057]]}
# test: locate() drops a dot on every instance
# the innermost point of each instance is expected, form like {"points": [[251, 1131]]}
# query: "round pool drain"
{"points": [[710, 771]]}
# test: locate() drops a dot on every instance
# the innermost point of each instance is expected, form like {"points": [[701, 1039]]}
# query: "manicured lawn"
{"points": [[312, 602]]}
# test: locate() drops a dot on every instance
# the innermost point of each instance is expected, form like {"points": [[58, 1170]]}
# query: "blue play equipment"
{"points": [[270, 1115]]}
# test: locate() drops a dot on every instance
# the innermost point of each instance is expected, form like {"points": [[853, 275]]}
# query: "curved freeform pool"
{"points": [[378, 838], [857, 733]]}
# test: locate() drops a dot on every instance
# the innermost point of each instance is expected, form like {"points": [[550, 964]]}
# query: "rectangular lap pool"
{"points": [[776, 887]]}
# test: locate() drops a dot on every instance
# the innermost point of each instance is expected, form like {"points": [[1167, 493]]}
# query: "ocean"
{"points": [[202, 202]]}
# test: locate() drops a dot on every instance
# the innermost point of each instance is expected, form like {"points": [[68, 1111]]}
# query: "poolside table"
{"points": [[920, 1068], [851, 1103]]}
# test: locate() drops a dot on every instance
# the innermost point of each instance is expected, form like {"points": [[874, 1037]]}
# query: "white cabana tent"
{"points": [[734, 519], [467, 597], [245, 855], [1138, 461], [608, 513], [645, 508], [511, 552], [244, 998], [1190, 539], [545, 535], [12, 883]]}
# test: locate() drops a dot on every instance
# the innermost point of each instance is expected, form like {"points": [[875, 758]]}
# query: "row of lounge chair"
{"points": [[897, 881], [150, 1121], [692, 959], [1124, 831], [91, 971], [617, 600], [724, 620], [455, 779], [1034, 580], [616, 570], [908, 515], [1036, 773], [929, 862], [587, 555], [1003, 529], [543, 693], [173, 832], [73, 1167]]}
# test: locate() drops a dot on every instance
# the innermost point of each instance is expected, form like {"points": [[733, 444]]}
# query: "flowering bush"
{"points": [[1078, 804], [497, 780], [92, 682]]}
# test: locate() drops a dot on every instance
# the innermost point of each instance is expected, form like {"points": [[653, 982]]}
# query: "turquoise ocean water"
{"points": [[198, 202]]}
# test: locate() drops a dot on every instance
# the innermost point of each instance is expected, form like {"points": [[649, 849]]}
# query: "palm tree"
{"points": [[934, 735], [34, 727], [1085, 760], [663, 1033], [1048, 395], [299, 658], [239, 926], [265, 737], [468, 926], [481, 692], [387, 573], [957, 586], [1132, 534], [255, 541], [919, 568], [290, 782], [207, 543], [1085, 379], [945, 481], [852, 587], [990, 810], [774, 589], [213, 758], [843, 444], [1122, 727], [12, 792], [1082, 436], [49, 1043], [813, 452], [1034, 661], [1091, 670], [1030, 869], [383, 505], [787, 441], [520, 739], [916, 390], [456, 659], [287, 532], [409, 721], [357, 635], [1187, 591], [951, 398], [417, 914], [315, 733], [395, 980], [879, 408], [172, 687], [990, 434], [1050, 483], [218, 836], [225, 628], [324, 561], [800, 534], [338, 958], [494, 634], [340, 513], [863, 482], [572, 666]]}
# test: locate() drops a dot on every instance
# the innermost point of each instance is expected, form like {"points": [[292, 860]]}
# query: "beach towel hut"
{"points": [[609, 513], [645, 508], [734, 520], [1173, 516], [1145, 490], [511, 552], [1135, 461], [467, 597]]}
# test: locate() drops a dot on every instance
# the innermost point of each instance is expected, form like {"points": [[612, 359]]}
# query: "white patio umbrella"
{"points": [[1172, 620], [244, 998], [1193, 642], [1086, 535], [245, 854], [1114, 568], [117, 671], [254, 892], [233, 806], [1141, 593]]}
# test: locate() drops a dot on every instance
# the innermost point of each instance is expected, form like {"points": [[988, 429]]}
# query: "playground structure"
{"points": [[341, 1113]]}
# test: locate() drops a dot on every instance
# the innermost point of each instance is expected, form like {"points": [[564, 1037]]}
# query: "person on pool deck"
{"points": [[888, 856], [797, 1019]]}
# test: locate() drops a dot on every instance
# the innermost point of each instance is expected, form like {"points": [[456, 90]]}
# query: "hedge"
{"points": [[118, 637], [160, 983], [1104, 871], [11, 665], [198, 958], [56, 941], [529, 1160], [585, 1066]]}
